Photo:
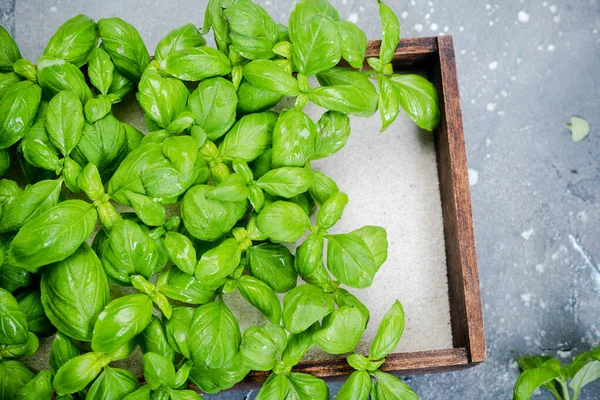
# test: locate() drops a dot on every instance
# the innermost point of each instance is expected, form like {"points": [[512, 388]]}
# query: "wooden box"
{"points": [[435, 56]]}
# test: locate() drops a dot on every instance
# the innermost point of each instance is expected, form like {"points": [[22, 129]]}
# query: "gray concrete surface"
{"points": [[525, 67]]}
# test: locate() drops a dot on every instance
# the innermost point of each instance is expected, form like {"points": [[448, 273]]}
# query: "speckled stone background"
{"points": [[525, 67]]}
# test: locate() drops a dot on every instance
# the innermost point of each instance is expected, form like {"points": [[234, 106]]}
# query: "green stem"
{"points": [[565, 390]]}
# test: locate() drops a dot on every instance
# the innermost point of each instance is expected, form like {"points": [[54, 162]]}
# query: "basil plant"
{"points": [[215, 197]]}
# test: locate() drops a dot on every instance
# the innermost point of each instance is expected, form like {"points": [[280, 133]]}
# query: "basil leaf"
{"points": [[286, 181], [322, 188], [209, 219], [375, 238], [214, 336], [198, 63], [294, 139], [27, 348], [113, 384], [274, 265], [350, 261], [153, 339], [59, 231], [251, 30], [218, 263], [64, 121], [158, 371], [389, 101], [74, 40], [267, 75], [184, 37], [305, 387], [333, 130], [13, 278], [587, 374], [31, 304], [390, 387], [215, 380], [181, 251], [13, 322], [100, 70], [252, 99], [345, 77], [354, 43], [143, 393], [346, 99], [262, 345], [389, 332], [150, 212], [317, 45], [125, 46], [28, 204], [232, 188], [40, 387], [356, 387], [215, 19], [261, 296], [303, 306], [344, 298], [177, 329], [8, 79], [309, 255], [55, 75], [249, 137], [390, 28], [18, 107], [163, 99], [78, 372], [298, 345], [62, 350], [308, 8], [9, 51], [120, 86], [181, 286], [283, 221], [331, 211], [341, 330], [13, 374], [213, 104], [275, 387], [419, 98]]}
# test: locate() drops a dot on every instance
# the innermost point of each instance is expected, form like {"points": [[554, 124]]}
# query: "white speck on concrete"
{"points": [[563, 353], [503, 93], [404, 14], [526, 297], [461, 28], [491, 106], [53, 9], [488, 142], [493, 65], [556, 18], [551, 47], [553, 9], [446, 29], [433, 27], [527, 234], [523, 17], [418, 27], [473, 177], [513, 78], [501, 113], [361, 9], [488, 7], [540, 268], [491, 23], [353, 18], [586, 257]]}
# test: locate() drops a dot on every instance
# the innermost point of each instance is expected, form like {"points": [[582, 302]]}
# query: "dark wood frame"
{"points": [[435, 55]]}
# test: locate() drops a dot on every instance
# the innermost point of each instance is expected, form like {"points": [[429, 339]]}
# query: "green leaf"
{"points": [[74, 293], [354, 43], [331, 211], [262, 345], [177, 329], [214, 336], [40, 387], [232, 188], [375, 238], [30, 303], [337, 77], [184, 37], [55, 75], [389, 101], [9, 51], [532, 379], [276, 387], [7, 79], [261, 296], [64, 121], [150, 212], [297, 346], [153, 339], [13, 278], [113, 384], [26, 69], [350, 260], [13, 322], [251, 99], [181, 286], [322, 188], [419, 98], [181, 251], [62, 350], [333, 130], [342, 297], [214, 380], [390, 387], [74, 40], [389, 332], [158, 371], [317, 44], [249, 137], [198, 63], [294, 139], [303, 306], [18, 107], [274, 265], [100, 70], [78, 372], [390, 35], [356, 387], [218, 263], [309, 255], [121, 320], [59, 231], [531, 362], [362, 363], [307, 387], [267, 75], [283, 221], [125, 46], [143, 393], [587, 374], [13, 374], [286, 181], [120, 86], [213, 104], [252, 31], [579, 128], [27, 348], [341, 330], [39, 154], [96, 109]]}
